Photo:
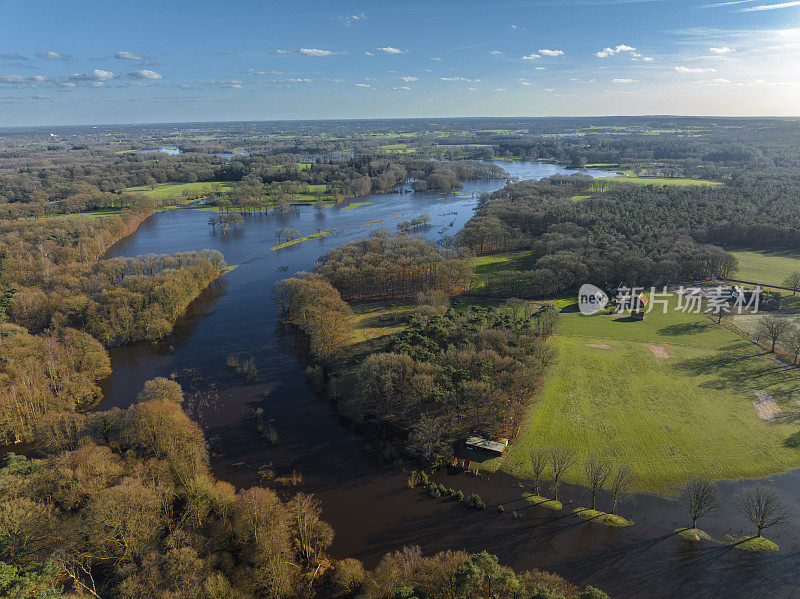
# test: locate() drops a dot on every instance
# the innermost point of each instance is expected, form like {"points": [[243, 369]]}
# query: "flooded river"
{"points": [[367, 502]]}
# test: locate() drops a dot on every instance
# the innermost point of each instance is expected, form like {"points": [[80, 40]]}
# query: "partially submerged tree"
{"points": [[561, 459], [700, 498], [539, 460], [597, 469], [763, 507], [621, 485]]}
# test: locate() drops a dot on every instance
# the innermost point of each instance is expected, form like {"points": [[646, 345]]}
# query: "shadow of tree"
{"points": [[687, 328]]}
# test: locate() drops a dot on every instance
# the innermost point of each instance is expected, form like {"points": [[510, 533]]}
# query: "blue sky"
{"points": [[94, 62]]}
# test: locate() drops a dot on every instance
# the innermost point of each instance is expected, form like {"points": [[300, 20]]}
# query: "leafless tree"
{"points": [[700, 498], [772, 328], [793, 342], [763, 507], [539, 459], [793, 282], [597, 469], [561, 458], [621, 485]]}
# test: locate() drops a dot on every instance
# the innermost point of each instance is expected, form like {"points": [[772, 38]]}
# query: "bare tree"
{"points": [[763, 507], [772, 328], [700, 498], [597, 470], [793, 343], [561, 458], [539, 459], [793, 282], [621, 485]]}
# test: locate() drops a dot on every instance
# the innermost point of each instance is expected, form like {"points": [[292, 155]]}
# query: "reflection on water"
{"points": [[367, 502]]}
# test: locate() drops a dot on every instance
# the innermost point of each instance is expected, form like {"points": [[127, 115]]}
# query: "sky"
{"points": [[103, 62]]}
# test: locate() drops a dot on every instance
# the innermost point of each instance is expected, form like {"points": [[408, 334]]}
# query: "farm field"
{"points": [[168, 191], [672, 397], [765, 267]]}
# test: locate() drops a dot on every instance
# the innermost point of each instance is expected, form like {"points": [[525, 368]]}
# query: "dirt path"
{"points": [[659, 352], [766, 408]]}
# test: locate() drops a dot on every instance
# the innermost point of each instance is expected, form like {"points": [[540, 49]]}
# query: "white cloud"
{"points": [[436, 58], [123, 55], [402, 87], [364, 85], [540, 69], [390, 50], [546, 52], [770, 6], [144, 74], [499, 89], [606, 52], [95, 75], [622, 80], [694, 70], [531, 56], [351, 19], [294, 80], [54, 56], [722, 50], [408, 79], [495, 52], [316, 52], [260, 72], [459, 78]]}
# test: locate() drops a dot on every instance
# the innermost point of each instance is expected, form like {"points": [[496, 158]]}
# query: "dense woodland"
{"points": [[640, 235], [392, 267], [446, 377]]}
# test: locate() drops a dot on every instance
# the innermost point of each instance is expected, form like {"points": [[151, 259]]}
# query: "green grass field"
{"points": [[676, 181], [668, 419], [768, 268], [483, 265], [168, 191]]}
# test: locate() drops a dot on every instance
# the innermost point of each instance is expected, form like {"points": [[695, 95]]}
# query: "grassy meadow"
{"points": [[669, 419], [169, 191], [676, 181], [765, 267]]}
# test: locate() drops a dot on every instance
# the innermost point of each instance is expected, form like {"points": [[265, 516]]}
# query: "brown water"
{"points": [[367, 502]]}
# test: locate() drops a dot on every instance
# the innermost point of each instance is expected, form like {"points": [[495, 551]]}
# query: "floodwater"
{"points": [[368, 502]]}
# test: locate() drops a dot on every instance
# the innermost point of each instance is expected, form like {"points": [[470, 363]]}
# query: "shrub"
{"points": [[434, 491], [476, 502], [414, 479], [460, 496], [423, 478], [232, 361], [591, 592], [316, 378], [348, 576], [500, 509]]}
